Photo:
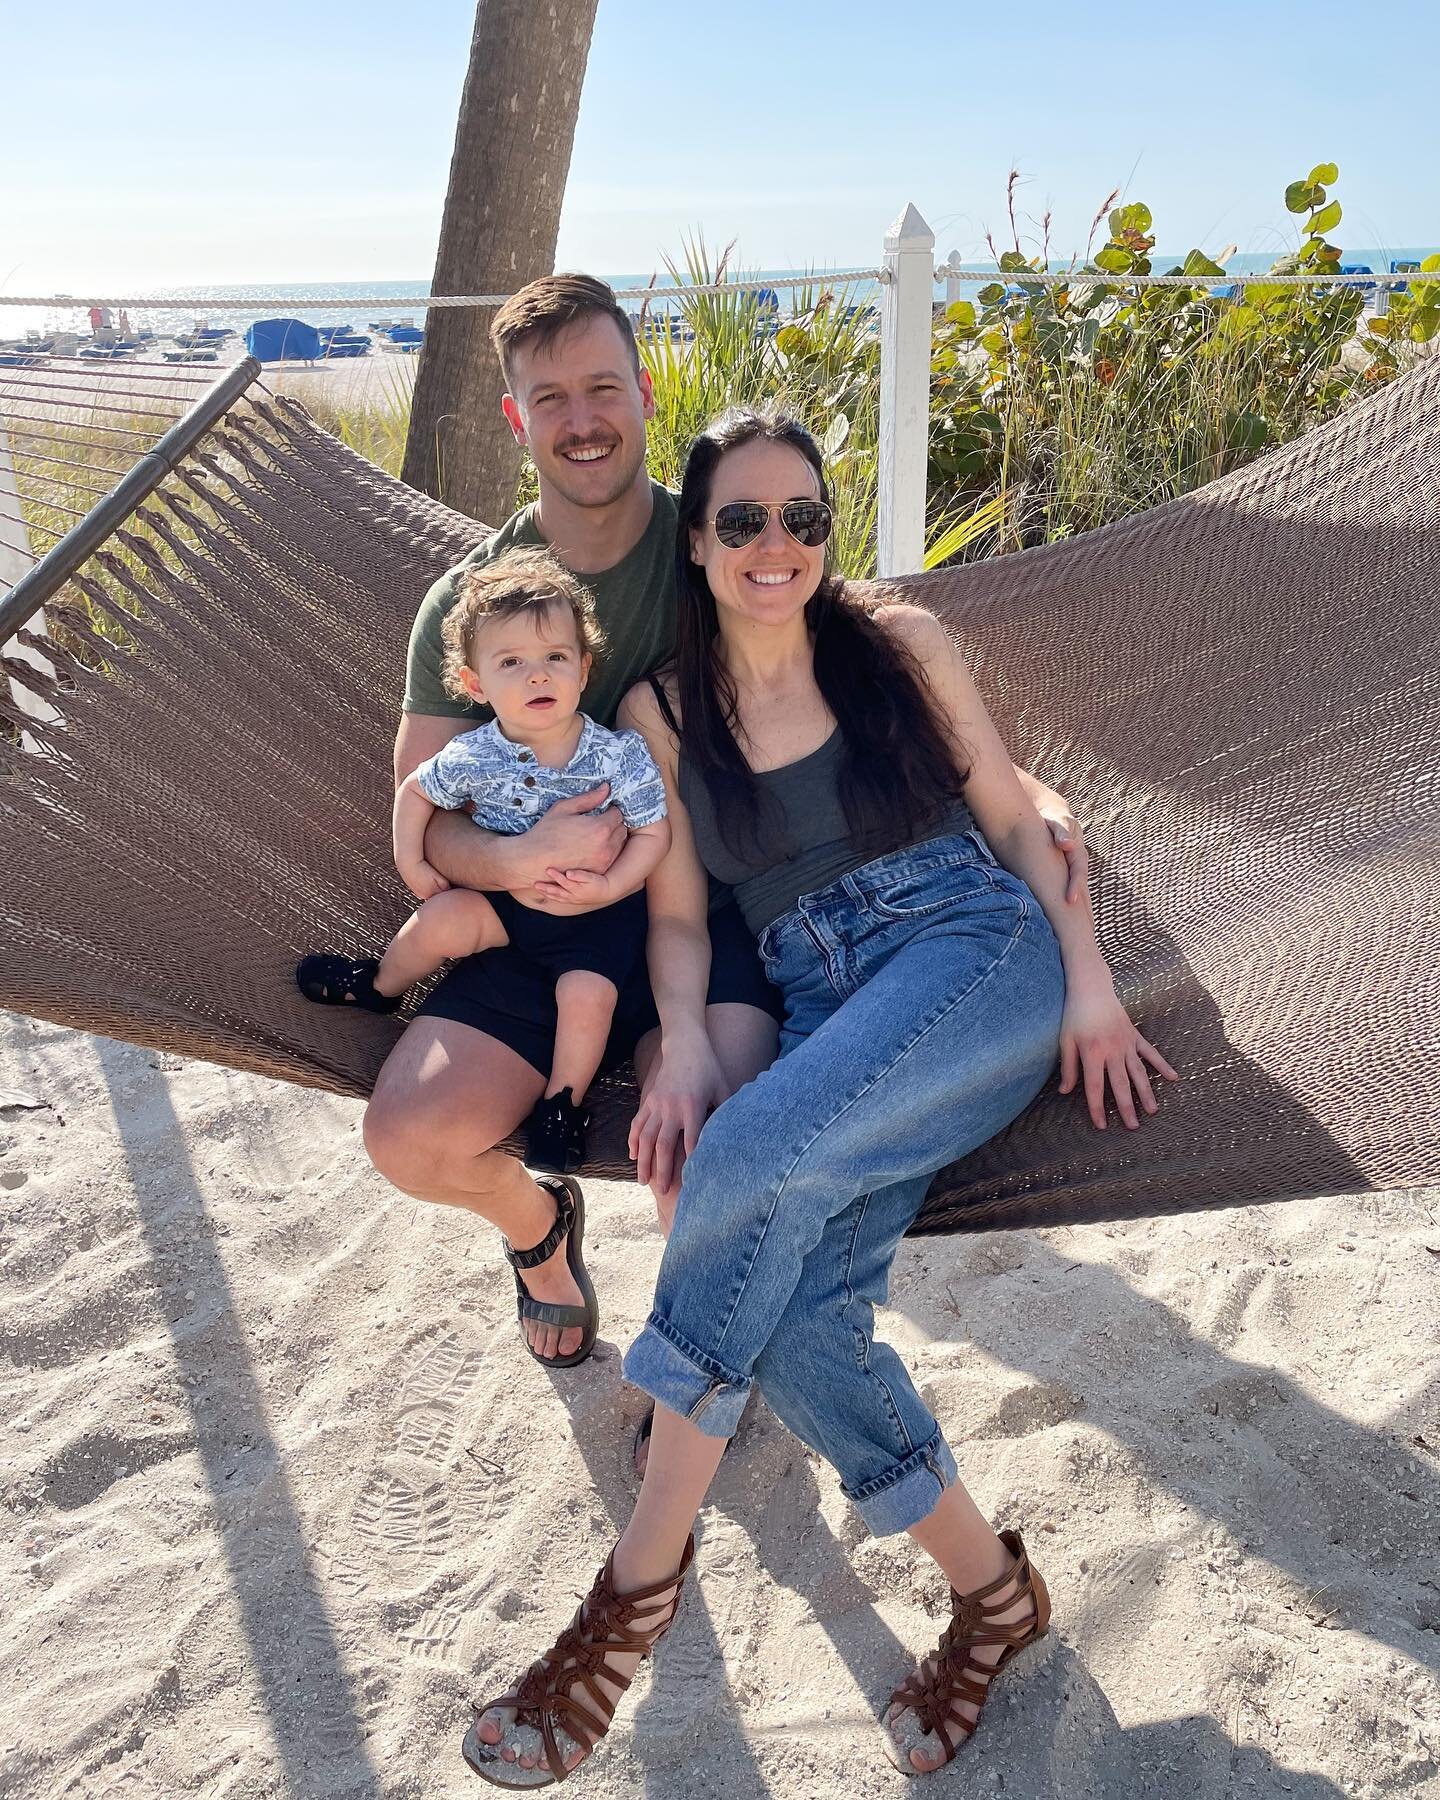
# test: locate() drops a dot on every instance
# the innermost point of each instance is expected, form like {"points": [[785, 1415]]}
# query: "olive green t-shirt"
{"points": [[635, 602]]}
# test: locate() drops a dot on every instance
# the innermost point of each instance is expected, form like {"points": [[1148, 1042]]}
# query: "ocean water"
{"points": [[278, 299]]}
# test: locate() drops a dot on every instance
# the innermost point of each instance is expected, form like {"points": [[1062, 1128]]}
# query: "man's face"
{"points": [[580, 408]]}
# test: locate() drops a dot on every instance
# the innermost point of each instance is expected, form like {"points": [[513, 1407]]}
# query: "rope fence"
{"points": [[944, 272]]}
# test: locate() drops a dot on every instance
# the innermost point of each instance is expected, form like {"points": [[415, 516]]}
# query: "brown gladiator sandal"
{"points": [[952, 1674], [559, 1696]]}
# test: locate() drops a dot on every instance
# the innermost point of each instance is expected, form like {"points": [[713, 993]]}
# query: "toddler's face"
{"points": [[530, 670]]}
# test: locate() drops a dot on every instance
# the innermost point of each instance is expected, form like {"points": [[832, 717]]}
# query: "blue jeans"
{"points": [[923, 995]]}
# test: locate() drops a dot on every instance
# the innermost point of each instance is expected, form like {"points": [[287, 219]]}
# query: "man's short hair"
{"points": [[526, 580], [541, 311]]}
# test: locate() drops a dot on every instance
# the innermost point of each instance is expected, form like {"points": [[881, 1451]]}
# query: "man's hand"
{"points": [[574, 837], [1064, 828]]}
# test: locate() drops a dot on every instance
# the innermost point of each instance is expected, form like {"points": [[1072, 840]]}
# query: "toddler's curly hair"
{"points": [[527, 580]]}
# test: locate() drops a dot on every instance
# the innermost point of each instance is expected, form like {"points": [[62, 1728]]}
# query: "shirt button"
{"points": [[529, 781], [517, 801], [525, 756]]}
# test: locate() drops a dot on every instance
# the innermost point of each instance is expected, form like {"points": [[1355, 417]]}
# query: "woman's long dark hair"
{"points": [[898, 773]]}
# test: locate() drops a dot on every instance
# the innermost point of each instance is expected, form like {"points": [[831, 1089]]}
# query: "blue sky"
{"points": [[143, 145]]}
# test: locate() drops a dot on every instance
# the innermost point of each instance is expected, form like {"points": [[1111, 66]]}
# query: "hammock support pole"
{"points": [[81, 542]]}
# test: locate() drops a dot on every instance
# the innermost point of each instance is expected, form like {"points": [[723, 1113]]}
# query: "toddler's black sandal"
{"points": [[343, 981]]}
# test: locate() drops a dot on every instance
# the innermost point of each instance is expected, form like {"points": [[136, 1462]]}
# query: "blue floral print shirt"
{"points": [[511, 789]]}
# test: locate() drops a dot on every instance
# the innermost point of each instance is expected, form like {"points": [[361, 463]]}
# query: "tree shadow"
{"points": [[1288, 1458], [295, 1657]]}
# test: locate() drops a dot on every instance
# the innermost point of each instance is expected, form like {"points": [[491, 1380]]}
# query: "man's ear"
{"points": [[513, 419], [647, 393]]}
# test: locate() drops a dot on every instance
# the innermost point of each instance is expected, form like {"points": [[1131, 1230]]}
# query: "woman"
{"points": [[839, 770]]}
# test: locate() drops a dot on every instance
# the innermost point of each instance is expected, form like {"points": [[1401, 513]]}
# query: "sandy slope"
{"points": [[279, 1492]]}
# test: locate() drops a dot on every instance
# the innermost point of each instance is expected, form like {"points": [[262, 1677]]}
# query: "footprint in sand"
{"points": [[403, 1524], [441, 1371], [11, 1179], [402, 1527], [432, 1636]]}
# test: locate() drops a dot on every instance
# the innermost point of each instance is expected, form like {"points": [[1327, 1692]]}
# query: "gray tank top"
{"points": [[811, 823]]}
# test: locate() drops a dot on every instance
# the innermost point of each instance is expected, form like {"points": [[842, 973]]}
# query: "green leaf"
{"points": [[991, 293], [1197, 263], [792, 340], [1326, 220], [1246, 432], [1114, 259], [1324, 174], [1431, 265], [1297, 197], [1013, 262], [1425, 324], [1135, 217], [962, 313]]}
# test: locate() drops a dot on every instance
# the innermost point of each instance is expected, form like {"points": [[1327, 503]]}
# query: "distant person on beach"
{"points": [[834, 764], [522, 639], [477, 1056]]}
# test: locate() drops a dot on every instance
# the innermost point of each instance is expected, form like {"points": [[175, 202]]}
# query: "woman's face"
{"points": [[768, 580]]}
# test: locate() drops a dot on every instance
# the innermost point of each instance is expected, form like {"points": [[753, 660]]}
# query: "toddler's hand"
{"points": [[423, 881], [581, 887]]}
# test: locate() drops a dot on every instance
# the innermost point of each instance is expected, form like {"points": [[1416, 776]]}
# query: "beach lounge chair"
{"points": [[283, 340], [1234, 690]]}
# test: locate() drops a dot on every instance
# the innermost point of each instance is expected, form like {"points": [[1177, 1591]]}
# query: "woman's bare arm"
{"points": [[1098, 1041], [689, 1081]]}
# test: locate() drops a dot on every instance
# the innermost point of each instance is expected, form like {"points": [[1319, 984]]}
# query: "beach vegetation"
{"points": [[1054, 408]]}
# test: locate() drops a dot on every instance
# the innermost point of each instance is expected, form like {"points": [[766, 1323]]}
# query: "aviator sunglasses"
{"points": [[742, 521]]}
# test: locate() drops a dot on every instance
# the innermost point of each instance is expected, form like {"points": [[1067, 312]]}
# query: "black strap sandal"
{"points": [[569, 1225], [343, 981]]}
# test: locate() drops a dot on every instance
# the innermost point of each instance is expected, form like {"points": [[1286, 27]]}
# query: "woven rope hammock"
{"points": [[1238, 692]]}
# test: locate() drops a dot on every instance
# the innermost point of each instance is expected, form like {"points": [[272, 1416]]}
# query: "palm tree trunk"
{"points": [[502, 215]]}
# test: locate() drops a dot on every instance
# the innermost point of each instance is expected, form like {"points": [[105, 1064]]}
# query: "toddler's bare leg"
{"points": [[585, 1006], [458, 922]]}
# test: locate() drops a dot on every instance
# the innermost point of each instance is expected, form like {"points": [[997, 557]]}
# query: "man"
{"points": [[474, 1061]]}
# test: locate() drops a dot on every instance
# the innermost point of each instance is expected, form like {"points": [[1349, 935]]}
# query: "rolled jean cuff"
{"points": [[673, 1371], [908, 1492]]}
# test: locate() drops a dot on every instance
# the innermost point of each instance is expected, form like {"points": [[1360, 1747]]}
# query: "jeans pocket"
{"points": [[916, 893]]}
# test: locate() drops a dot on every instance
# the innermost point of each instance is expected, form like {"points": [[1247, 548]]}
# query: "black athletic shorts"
{"points": [[609, 941], [512, 997]]}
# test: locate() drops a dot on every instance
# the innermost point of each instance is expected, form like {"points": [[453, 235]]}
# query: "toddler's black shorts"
{"points": [[510, 994]]}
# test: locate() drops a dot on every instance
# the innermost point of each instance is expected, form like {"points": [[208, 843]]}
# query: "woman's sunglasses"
{"points": [[742, 521]]}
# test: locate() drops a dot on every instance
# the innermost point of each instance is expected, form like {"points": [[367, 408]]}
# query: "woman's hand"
{"points": [[684, 1090], [1099, 1043]]}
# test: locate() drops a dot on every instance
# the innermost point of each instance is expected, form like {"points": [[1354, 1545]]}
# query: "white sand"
{"points": [[281, 1492]]}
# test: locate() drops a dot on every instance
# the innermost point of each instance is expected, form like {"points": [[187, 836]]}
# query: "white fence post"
{"points": [[906, 315], [13, 564], [954, 262]]}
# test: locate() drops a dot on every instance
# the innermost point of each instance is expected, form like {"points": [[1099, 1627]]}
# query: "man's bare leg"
{"points": [[445, 1097]]}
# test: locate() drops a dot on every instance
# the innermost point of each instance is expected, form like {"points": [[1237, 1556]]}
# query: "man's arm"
{"points": [[566, 838]]}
